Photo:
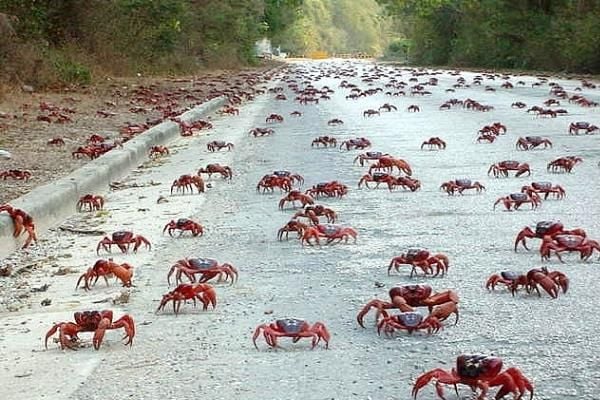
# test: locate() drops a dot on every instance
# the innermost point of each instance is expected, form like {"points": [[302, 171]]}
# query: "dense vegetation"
{"points": [[71, 41], [68, 41], [561, 35], [336, 26]]}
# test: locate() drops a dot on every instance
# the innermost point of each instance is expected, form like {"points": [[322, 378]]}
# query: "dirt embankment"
{"points": [[29, 121]]}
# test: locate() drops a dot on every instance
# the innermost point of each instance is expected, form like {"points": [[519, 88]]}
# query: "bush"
{"points": [[397, 49], [70, 71]]}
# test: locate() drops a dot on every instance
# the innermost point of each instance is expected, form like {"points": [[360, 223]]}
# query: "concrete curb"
{"points": [[54, 202]]}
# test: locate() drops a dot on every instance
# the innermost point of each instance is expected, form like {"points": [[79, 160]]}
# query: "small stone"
{"points": [[64, 271], [46, 302], [13, 307], [161, 199], [6, 271], [42, 288]]}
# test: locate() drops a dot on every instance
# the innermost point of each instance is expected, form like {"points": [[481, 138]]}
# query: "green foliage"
{"points": [[398, 49], [336, 26], [71, 72], [533, 34], [128, 36]]}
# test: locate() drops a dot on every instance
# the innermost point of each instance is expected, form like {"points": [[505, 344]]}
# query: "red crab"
{"points": [[93, 202], [477, 372], [156, 151], [564, 164], [274, 118], [434, 142], [269, 182], [106, 269], [421, 258], [496, 128], [89, 151], [329, 231], [516, 200], [292, 226], [460, 185], [568, 243], [17, 174], [224, 170], [326, 141], [486, 137], [378, 178], [329, 189], [22, 222], [551, 281], [217, 145], [370, 113], [543, 229], [189, 291], [182, 225], [123, 239], [575, 127], [96, 139], [546, 188], [56, 142], [295, 178], [532, 142], [296, 195], [406, 182], [388, 107], [409, 321], [355, 144], [91, 321], [387, 164], [185, 182], [229, 110], [261, 132], [186, 128], [405, 298], [207, 268], [502, 168], [294, 328], [313, 212]]}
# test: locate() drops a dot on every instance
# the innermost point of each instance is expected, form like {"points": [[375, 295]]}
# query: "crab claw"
{"points": [[256, 334], [51, 332], [437, 374]]}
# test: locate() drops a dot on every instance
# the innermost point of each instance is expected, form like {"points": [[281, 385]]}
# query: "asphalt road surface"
{"points": [[210, 354]]}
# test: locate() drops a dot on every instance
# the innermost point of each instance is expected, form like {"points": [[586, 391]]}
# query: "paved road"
{"points": [[210, 354]]}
